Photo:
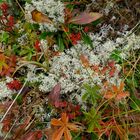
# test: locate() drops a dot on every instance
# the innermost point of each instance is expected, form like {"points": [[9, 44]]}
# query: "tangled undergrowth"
{"points": [[69, 69]]}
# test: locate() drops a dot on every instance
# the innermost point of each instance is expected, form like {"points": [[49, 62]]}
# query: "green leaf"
{"points": [[116, 56], [28, 1], [19, 99], [4, 37], [29, 56], [92, 93], [28, 52], [60, 43], [96, 22], [135, 105], [135, 102], [91, 126], [92, 118], [87, 40], [76, 136], [43, 35], [1, 13], [94, 136], [16, 49], [85, 96], [35, 26]]}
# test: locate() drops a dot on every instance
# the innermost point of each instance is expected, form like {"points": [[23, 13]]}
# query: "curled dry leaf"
{"points": [[85, 18], [39, 17]]}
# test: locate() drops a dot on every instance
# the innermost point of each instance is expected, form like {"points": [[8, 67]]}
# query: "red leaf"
{"points": [[85, 18], [111, 64], [4, 6], [55, 94], [14, 85], [37, 46]]}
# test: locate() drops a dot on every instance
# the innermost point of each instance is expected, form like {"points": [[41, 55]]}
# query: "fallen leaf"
{"points": [[39, 17], [54, 95], [85, 18], [64, 127]]}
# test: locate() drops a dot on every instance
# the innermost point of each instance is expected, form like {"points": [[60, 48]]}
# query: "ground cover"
{"points": [[69, 69]]}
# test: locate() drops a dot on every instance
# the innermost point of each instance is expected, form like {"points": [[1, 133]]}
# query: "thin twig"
{"points": [[20, 6], [13, 102]]}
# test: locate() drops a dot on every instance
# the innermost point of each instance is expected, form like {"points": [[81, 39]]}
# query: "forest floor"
{"points": [[70, 69]]}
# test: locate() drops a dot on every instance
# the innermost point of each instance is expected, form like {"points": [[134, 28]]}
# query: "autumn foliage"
{"points": [[69, 70]]}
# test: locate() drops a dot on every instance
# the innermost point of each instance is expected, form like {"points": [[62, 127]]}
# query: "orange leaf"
{"points": [[63, 127], [108, 95], [114, 89], [56, 122], [67, 134], [39, 17], [121, 86], [122, 95], [73, 127], [64, 118], [58, 133], [116, 92]]}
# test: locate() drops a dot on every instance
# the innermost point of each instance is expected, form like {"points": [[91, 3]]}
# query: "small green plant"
{"points": [[92, 94]]}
